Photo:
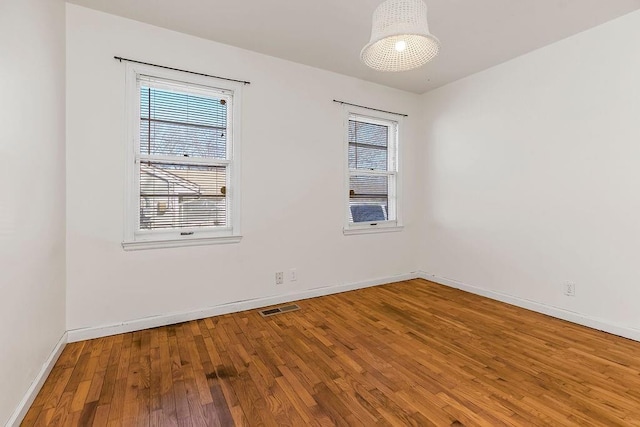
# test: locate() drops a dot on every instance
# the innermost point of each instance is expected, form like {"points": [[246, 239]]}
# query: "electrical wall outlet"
{"points": [[279, 278], [569, 289], [293, 275]]}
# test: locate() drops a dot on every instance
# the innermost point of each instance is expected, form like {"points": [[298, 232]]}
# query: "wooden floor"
{"points": [[409, 353]]}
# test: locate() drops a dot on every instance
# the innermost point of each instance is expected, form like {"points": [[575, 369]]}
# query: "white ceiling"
{"points": [[328, 34]]}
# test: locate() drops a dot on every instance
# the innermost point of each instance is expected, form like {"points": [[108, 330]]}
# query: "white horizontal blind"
{"points": [[183, 157], [372, 169]]}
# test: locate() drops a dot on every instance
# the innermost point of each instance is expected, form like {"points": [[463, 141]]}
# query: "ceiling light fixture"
{"points": [[400, 37]]}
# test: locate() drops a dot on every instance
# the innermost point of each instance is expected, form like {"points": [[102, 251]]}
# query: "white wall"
{"points": [[32, 225], [292, 181], [532, 176]]}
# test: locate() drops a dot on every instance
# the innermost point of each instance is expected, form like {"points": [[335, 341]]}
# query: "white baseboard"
{"points": [[16, 418], [75, 335], [560, 313]]}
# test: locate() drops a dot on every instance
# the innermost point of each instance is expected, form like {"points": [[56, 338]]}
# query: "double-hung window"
{"points": [[182, 163], [372, 144]]}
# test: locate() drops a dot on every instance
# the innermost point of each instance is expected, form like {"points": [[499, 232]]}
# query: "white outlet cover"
{"points": [[569, 289]]}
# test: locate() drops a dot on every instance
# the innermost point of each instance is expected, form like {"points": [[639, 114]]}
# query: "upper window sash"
{"points": [[392, 138], [170, 98]]}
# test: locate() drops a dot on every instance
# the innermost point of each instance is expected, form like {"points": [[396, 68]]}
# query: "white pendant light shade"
{"points": [[400, 37]]}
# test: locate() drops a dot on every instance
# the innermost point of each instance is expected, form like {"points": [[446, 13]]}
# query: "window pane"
{"points": [[182, 124], [179, 196], [368, 210], [366, 186], [368, 158], [368, 133], [368, 144], [368, 199]]}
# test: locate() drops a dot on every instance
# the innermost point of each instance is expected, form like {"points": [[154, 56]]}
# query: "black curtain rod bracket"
{"points": [[178, 69], [369, 108]]}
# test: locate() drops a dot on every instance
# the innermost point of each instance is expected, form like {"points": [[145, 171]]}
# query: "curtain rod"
{"points": [[178, 69], [369, 108]]}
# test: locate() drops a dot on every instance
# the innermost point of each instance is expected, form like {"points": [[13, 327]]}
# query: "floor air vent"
{"points": [[277, 310]]}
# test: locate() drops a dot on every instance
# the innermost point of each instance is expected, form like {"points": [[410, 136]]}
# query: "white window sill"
{"points": [[177, 243], [370, 229]]}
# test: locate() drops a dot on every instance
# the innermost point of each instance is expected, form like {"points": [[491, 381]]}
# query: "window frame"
{"points": [[134, 237], [393, 171]]}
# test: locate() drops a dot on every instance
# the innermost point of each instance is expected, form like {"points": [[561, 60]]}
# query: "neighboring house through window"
{"points": [[183, 165], [372, 144]]}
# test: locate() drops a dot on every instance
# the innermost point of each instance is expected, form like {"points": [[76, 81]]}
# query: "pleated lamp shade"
{"points": [[400, 37]]}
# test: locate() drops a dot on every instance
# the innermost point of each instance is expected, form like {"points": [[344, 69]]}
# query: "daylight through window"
{"points": [[183, 163], [183, 170], [372, 170]]}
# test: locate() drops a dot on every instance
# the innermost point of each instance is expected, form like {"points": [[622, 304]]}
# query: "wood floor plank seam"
{"points": [[407, 353]]}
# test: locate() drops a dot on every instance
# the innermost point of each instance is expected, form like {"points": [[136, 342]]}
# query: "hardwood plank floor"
{"points": [[408, 353]]}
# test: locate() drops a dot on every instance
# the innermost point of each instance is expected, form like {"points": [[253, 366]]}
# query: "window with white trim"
{"points": [[183, 184], [372, 144]]}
